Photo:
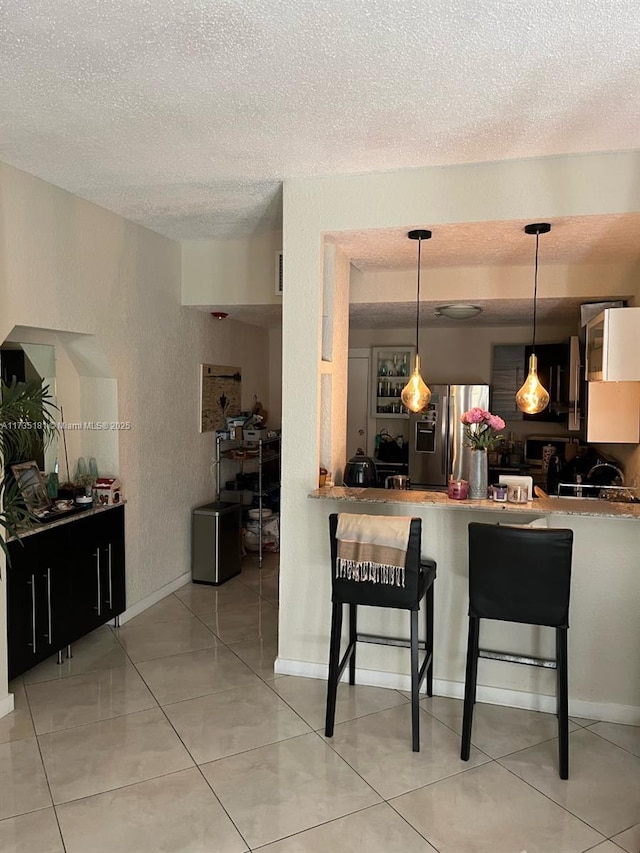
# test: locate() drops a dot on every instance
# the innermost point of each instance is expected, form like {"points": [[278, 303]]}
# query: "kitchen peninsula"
{"points": [[604, 635]]}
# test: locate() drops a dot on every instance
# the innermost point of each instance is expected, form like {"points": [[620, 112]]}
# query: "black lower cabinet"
{"points": [[97, 568], [62, 583]]}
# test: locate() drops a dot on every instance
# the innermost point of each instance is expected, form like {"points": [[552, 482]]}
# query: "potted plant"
{"points": [[27, 421]]}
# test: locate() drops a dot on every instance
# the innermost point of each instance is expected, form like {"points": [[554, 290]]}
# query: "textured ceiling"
{"points": [[572, 240], [186, 115]]}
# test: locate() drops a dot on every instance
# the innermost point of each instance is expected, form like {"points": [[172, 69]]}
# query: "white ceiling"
{"points": [[186, 115]]}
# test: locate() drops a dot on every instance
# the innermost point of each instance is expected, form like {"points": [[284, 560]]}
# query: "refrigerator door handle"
{"points": [[445, 435]]}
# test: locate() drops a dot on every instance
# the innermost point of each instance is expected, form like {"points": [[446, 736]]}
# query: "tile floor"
{"points": [[172, 734]]}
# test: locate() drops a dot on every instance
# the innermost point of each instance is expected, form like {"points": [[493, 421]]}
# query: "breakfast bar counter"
{"points": [[538, 506], [604, 635]]}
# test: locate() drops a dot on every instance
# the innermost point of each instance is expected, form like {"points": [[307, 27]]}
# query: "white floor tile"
{"points": [[36, 832], [109, 754], [603, 788], [86, 698], [488, 809], [23, 785], [374, 830], [172, 814], [378, 747], [233, 721], [278, 790]]}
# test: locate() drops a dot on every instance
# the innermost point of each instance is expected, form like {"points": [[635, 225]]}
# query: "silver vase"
{"points": [[478, 475]]}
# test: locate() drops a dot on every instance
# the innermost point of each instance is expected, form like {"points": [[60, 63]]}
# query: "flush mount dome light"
{"points": [[459, 311], [219, 315]]}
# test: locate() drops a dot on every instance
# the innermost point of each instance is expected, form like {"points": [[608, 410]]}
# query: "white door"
{"points": [[357, 404]]}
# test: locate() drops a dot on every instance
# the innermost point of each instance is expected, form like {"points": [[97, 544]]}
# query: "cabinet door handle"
{"points": [[110, 601], [97, 556], [48, 576], [33, 614]]}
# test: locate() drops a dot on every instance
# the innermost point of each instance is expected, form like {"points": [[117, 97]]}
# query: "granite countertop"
{"points": [[440, 500], [66, 518]]}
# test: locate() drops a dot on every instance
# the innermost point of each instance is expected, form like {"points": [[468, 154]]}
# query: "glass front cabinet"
{"points": [[390, 370]]}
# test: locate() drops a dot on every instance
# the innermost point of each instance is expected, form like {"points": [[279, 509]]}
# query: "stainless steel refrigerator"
{"points": [[436, 449]]}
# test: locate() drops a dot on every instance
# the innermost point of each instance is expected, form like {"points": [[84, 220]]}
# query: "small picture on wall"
{"points": [[220, 395]]}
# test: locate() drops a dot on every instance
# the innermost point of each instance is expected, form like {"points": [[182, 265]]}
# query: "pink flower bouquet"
{"points": [[481, 428]]}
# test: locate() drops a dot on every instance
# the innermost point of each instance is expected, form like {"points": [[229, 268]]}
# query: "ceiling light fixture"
{"points": [[219, 315], [532, 397], [458, 311], [415, 394]]}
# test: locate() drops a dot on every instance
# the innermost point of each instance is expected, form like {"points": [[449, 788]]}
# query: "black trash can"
{"points": [[216, 542]]}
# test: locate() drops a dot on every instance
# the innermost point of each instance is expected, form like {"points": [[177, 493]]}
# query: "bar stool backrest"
{"points": [[377, 594], [520, 575]]}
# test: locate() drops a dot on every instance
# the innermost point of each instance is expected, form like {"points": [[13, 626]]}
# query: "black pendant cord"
{"points": [[418, 299], [535, 294], [419, 234]]}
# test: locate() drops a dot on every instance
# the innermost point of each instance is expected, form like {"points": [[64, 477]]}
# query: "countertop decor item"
{"points": [[478, 475], [532, 397], [415, 394], [481, 428], [458, 490], [481, 431]]}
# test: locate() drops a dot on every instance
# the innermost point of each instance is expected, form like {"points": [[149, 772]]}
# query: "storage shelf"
{"points": [[264, 452], [390, 371]]}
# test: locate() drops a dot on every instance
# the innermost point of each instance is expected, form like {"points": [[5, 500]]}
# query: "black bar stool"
{"points": [[519, 575], [419, 576]]}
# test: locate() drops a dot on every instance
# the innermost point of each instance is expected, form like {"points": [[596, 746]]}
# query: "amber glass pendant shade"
{"points": [[532, 397], [415, 394]]}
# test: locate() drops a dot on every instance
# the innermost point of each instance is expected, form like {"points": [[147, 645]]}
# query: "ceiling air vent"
{"points": [[278, 273]]}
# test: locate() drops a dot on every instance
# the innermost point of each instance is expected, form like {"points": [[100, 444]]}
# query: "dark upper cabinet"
{"points": [[510, 368], [553, 372], [507, 377]]}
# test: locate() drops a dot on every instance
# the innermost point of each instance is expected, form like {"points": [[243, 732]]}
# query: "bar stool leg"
{"points": [[429, 638], [334, 663], [470, 685], [563, 701], [353, 630], [415, 670]]}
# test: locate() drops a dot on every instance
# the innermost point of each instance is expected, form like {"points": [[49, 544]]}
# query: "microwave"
{"points": [[533, 445]]}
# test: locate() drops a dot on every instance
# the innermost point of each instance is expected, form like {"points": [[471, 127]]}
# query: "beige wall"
{"points": [[515, 190], [68, 265], [583, 281], [459, 354], [230, 272], [275, 378]]}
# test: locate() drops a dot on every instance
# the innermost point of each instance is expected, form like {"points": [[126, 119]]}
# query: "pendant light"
{"points": [[532, 397], [415, 394]]}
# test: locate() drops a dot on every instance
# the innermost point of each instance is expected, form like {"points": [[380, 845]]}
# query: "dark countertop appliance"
{"points": [[589, 475], [360, 471]]}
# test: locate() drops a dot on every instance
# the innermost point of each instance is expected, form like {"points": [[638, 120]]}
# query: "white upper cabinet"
{"points": [[613, 346]]}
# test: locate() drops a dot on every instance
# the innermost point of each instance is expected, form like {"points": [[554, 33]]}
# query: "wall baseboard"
{"points": [[625, 714], [6, 705], [147, 602]]}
